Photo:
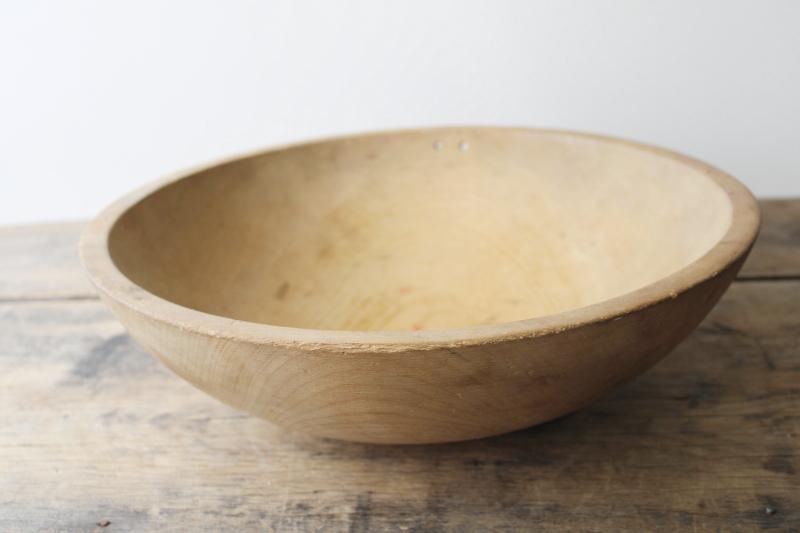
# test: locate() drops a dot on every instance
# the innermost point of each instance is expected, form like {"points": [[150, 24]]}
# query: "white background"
{"points": [[99, 97]]}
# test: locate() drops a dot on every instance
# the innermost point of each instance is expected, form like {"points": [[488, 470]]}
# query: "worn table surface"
{"points": [[95, 435]]}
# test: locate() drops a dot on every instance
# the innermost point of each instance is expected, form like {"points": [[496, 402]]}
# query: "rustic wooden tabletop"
{"points": [[95, 435]]}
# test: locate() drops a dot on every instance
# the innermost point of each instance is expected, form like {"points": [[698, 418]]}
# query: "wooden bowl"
{"points": [[422, 286]]}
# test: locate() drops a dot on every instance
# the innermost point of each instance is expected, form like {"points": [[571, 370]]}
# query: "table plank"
{"points": [[41, 261], [776, 253], [95, 430]]}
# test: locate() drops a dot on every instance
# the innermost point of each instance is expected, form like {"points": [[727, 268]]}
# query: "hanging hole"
{"points": [[437, 145], [463, 146]]}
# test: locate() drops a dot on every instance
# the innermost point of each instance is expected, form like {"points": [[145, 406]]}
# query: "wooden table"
{"points": [[95, 435]]}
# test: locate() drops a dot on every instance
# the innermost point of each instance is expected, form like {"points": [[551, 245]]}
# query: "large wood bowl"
{"points": [[422, 286]]}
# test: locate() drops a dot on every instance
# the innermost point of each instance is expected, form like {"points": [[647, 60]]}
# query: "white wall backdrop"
{"points": [[97, 97]]}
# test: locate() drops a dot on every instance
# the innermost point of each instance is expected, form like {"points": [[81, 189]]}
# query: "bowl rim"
{"points": [[114, 285]]}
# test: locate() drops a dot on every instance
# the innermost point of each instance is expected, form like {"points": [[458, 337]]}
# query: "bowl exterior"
{"points": [[426, 386], [430, 394]]}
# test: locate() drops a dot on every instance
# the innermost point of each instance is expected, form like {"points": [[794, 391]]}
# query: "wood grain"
{"points": [[93, 430]]}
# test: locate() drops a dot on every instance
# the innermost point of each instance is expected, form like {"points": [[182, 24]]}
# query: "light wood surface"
{"points": [[94, 431], [422, 286], [385, 232], [40, 261]]}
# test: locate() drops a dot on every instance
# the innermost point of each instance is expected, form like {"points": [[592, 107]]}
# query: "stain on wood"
{"points": [[282, 291], [94, 431]]}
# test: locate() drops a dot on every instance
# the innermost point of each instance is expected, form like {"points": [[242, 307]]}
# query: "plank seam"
{"points": [[769, 277]]}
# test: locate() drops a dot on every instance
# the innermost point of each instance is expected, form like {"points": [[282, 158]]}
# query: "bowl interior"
{"points": [[421, 230]]}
